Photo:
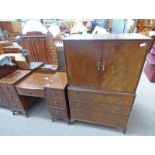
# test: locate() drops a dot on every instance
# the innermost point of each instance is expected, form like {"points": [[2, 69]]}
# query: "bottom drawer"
{"points": [[99, 118], [58, 112]]}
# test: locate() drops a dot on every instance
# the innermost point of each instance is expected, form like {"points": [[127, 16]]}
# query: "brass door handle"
{"points": [[98, 65], [103, 65]]}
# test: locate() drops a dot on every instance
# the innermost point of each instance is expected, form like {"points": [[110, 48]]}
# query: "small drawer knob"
{"points": [[118, 109], [116, 121], [57, 112], [78, 93], [78, 105], [11, 96], [55, 103], [53, 93], [78, 115]]}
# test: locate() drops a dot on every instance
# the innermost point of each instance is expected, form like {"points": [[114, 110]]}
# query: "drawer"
{"points": [[57, 103], [8, 88], [14, 99], [58, 112], [30, 92], [3, 102], [101, 97], [17, 106], [55, 93], [100, 107], [14, 103], [99, 118]]}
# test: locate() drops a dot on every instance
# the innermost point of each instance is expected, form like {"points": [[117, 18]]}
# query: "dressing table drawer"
{"points": [[30, 92]]}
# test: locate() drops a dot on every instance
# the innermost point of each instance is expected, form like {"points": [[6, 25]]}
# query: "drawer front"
{"points": [[14, 101], [27, 92], [8, 88], [55, 93], [12, 97], [58, 112], [57, 103], [100, 107], [99, 118], [101, 98], [3, 101]]}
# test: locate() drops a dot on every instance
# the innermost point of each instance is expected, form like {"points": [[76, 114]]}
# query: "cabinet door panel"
{"points": [[82, 63], [123, 63]]}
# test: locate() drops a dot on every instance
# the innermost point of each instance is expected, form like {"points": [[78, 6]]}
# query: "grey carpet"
{"points": [[141, 121]]}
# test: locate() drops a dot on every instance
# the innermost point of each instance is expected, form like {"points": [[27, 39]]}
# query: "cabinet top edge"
{"points": [[113, 37]]}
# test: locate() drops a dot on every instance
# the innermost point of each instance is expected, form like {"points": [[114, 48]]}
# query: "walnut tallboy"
{"points": [[103, 74]]}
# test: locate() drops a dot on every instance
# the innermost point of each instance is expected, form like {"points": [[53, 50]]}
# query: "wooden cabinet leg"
{"points": [[71, 121], [53, 119], [68, 121], [14, 112], [26, 114], [124, 130]]}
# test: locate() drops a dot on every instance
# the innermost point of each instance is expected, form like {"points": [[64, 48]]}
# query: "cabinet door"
{"points": [[37, 48], [82, 61], [123, 62]]}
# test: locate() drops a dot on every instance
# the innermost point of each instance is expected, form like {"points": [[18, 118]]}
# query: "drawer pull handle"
{"points": [[53, 93], [78, 105], [57, 112], [78, 94], [78, 115], [118, 109], [56, 103], [121, 101], [116, 121]]}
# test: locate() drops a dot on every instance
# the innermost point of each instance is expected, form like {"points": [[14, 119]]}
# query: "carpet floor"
{"points": [[141, 121]]}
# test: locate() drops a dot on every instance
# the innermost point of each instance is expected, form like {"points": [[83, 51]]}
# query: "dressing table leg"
{"points": [[14, 112], [124, 130], [53, 119], [68, 121], [26, 114]]}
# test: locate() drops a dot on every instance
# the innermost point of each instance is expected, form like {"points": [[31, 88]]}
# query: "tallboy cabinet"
{"points": [[103, 74]]}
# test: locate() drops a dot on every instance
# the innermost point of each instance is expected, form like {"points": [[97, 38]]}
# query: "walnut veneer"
{"points": [[103, 74]]}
